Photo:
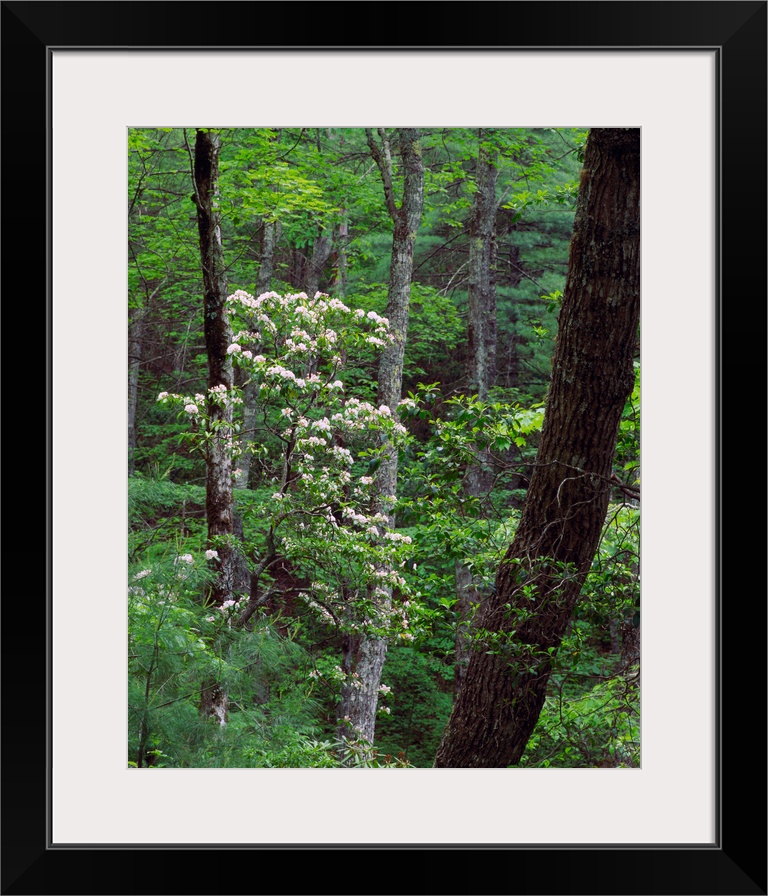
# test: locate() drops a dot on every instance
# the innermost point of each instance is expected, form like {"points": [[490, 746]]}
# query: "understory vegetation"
{"points": [[319, 560]]}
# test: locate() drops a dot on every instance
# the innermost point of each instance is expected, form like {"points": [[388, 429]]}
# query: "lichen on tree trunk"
{"points": [[362, 663], [365, 655]]}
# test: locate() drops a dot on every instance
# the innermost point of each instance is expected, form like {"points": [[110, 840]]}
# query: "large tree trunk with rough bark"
{"points": [[366, 655], [218, 338], [520, 626], [481, 367]]}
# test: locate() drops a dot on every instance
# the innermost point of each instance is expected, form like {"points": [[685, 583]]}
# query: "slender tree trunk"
{"points": [[630, 644], [340, 279], [269, 236], [218, 337], [520, 627], [137, 326], [362, 658], [321, 252], [135, 351], [481, 366], [481, 331], [339, 287], [366, 655]]}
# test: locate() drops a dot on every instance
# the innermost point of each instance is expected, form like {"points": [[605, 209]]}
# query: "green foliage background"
{"points": [[308, 182]]}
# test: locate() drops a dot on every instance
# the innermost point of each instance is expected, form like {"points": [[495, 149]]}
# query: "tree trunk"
{"points": [[270, 230], [321, 252], [481, 331], [137, 327], [481, 366], [340, 276], [406, 222], [362, 660], [520, 627], [218, 338], [135, 341], [366, 655]]}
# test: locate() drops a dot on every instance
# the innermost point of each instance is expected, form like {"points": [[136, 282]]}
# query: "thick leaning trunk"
{"points": [[218, 337], [521, 625], [481, 368], [366, 655]]}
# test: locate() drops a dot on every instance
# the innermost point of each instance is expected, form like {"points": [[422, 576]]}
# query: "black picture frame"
{"points": [[736, 863]]}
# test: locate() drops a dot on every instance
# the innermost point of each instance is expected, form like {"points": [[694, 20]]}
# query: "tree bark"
{"points": [[250, 388], [521, 625], [135, 351], [481, 331], [362, 660], [218, 338], [137, 329], [366, 655], [321, 252], [481, 366], [340, 276]]}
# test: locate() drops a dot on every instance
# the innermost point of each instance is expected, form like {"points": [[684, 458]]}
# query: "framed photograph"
{"points": [[692, 817]]}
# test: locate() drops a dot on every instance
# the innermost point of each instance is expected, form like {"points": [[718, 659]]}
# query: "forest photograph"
{"points": [[383, 447]]}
